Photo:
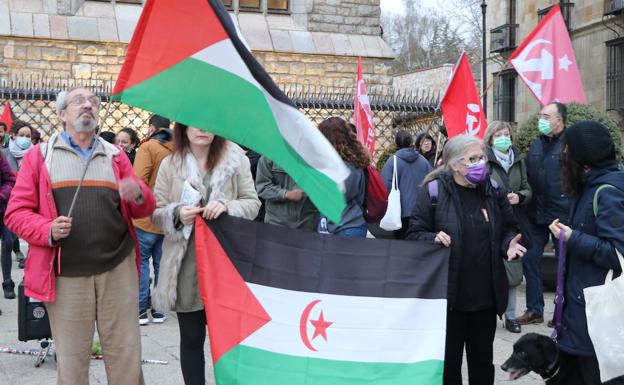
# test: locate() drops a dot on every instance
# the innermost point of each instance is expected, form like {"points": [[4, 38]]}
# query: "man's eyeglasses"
{"points": [[79, 100], [476, 159]]}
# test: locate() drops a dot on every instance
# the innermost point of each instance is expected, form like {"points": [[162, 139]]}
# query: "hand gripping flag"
{"points": [[187, 62], [362, 114], [287, 307], [545, 61], [461, 104]]}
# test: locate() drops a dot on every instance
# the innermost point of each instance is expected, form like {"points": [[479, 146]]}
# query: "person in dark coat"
{"points": [[592, 237], [427, 147], [476, 221], [548, 203], [506, 165], [411, 170]]}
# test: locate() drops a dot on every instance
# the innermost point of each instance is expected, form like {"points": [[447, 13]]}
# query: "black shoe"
{"points": [[9, 289], [513, 326], [551, 323], [158, 317], [19, 256], [22, 263], [143, 318]]}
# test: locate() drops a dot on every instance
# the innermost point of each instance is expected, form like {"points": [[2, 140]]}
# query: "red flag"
{"points": [[362, 114], [7, 115], [545, 61], [461, 104]]}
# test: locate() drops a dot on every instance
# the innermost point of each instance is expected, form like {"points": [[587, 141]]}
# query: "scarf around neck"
{"points": [[505, 160]]}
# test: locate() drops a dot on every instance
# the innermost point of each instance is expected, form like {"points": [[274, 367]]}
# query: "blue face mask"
{"points": [[23, 142], [544, 127]]}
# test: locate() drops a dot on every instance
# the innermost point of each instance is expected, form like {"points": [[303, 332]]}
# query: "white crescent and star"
{"points": [[320, 325]]}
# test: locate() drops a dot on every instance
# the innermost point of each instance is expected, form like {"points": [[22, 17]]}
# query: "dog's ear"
{"points": [[548, 347]]}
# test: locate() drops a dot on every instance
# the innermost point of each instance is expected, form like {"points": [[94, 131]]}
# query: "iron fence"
{"points": [[34, 101]]}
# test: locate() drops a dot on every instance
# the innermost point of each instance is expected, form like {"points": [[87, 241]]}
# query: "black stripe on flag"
{"points": [[288, 259], [257, 71]]}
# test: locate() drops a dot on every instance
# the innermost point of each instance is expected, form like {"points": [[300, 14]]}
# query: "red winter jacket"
{"points": [[32, 209]]}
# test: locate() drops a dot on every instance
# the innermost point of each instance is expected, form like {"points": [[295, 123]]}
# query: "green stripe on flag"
{"points": [[244, 365], [204, 96]]}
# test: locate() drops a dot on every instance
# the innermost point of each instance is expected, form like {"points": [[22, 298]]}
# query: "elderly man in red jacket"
{"points": [[84, 266]]}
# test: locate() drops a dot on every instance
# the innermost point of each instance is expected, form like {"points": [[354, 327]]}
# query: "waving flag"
{"points": [[461, 105], [187, 62], [545, 61], [362, 114], [7, 116], [287, 307]]}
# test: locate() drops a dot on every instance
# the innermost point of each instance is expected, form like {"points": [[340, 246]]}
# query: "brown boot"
{"points": [[530, 317]]}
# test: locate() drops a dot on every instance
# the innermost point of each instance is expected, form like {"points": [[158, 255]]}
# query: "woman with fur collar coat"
{"points": [[219, 172]]}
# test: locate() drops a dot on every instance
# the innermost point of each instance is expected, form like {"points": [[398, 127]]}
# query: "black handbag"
{"points": [[32, 318]]}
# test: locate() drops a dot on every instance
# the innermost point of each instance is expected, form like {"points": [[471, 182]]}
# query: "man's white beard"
{"points": [[81, 125]]}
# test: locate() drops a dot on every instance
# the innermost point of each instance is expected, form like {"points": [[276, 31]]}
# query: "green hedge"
{"points": [[388, 152], [576, 113]]}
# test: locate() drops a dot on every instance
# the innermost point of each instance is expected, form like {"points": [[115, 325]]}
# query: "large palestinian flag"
{"points": [[187, 62], [287, 307]]}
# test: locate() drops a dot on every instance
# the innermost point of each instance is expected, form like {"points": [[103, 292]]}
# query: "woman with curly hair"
{"points": [[356, 157]]}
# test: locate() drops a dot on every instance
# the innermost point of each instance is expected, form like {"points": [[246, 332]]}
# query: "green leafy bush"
{"points": [[576, 113], [388, 152]]}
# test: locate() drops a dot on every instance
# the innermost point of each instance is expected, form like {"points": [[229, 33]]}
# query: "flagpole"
{"points": [[484, 54], [491, 83], [435, 159]]}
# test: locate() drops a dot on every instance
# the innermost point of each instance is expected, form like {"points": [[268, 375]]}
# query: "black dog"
{"points": [[538, 353]]}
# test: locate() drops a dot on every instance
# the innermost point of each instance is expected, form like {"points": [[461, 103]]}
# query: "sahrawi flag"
{"points": [[287, 307], [545, 61], [187, 62], [461, 105]]}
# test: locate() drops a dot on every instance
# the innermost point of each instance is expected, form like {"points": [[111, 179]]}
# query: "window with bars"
{"points": [[271, 6], [505, 96], [615, 74], [566, 11]]}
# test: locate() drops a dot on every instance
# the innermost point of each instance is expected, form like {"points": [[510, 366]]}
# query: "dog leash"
{"points": [[559, 297]]}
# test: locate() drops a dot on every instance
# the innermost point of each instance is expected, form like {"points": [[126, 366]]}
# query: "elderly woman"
{"points": [[507, 167], [220, 172], [459, 208], [591, 176]]}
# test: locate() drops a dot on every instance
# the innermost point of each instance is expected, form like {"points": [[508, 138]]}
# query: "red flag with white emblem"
{"points": [[362, 114], [7, 115], [461, 104], [546, 63]]}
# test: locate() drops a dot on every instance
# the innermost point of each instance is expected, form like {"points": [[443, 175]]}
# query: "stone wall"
{"points": [[345, 16], [95, 60]]}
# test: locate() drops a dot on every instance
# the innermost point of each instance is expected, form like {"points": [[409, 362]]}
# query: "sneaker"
{"points": [[143, 318], [158, 317], [513, 326], [530, 317]]}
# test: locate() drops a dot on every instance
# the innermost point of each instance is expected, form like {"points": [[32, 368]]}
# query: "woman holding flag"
{"points": [[459, 207], [209, 176]]}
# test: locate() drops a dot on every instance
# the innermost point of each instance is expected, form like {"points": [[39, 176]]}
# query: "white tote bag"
{"points": [[392, 219], [604, 308]]}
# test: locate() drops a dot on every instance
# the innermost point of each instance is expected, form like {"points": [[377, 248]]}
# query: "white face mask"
{"points": [[23, 142]]}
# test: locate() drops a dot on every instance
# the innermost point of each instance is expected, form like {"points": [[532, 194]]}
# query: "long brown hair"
{"points": [[181, 145], [572, 172], [344, 140]]}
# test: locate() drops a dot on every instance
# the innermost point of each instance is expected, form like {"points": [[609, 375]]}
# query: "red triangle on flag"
{"points": [[233, 312], [174, 32], [7, 115]]}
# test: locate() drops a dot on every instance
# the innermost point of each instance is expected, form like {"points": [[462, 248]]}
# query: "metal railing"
{"points": [[34, 101]]}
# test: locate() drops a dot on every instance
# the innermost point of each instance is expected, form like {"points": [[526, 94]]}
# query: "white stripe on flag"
{"points": [[307, 140], [363, 329]]}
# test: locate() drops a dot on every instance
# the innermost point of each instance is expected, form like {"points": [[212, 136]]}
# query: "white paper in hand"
{"points": [[189, 197]]}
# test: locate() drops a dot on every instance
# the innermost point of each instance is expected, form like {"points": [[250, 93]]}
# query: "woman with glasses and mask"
{"points": [[459, 208], [507, 166]]}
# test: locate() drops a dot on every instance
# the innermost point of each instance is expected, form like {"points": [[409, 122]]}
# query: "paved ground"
{"points": [[160, 342]]}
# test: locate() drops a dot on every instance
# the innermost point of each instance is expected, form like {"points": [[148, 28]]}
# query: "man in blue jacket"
{"points": [[548, 204]]}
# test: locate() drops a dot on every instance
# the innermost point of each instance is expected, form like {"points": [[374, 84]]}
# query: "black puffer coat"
{"points": [[427, 220]]}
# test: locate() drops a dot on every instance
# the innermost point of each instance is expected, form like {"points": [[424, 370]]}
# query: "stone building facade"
{"points": [[595, 29], [304, 42]]}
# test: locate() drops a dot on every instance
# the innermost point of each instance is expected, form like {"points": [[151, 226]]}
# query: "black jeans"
{"points": [[585, 368], [5, 251], [192, 338], [474, 330]]}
